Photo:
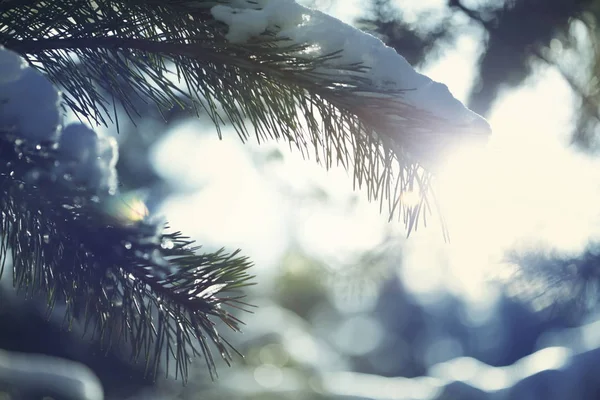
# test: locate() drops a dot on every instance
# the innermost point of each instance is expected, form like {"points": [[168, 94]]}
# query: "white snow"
{"points": [[29, 108], [28, 100], [88, 158], [325, 35], [550, 373], [77, 143], [243, 22], [11, 66]]}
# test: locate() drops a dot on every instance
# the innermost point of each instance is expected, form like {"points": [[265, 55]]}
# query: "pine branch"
{"points": [[126, 281], [146, 49], [123, 278], [73, 238], [118, 273]]}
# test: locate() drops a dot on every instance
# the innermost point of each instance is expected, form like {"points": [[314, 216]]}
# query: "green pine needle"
{"points": [[164, 50], [125, 281]]}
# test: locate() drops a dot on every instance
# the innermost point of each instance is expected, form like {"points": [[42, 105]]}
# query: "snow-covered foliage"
{"points": [[30, 110], [385, 69], [552, 373], [89, 159], [28, 101]]}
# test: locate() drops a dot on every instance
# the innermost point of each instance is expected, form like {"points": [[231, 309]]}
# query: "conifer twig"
{"points": [[328, 109]]}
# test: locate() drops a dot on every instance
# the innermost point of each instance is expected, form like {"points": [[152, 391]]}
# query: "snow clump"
{"points": [[418, 97], [28, 100], [30, 110]]}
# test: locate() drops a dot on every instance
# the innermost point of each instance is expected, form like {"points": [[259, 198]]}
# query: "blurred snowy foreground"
{"points": [[553, 373]]}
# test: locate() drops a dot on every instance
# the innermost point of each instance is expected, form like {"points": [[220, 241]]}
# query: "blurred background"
{"points": [[347, 306]]}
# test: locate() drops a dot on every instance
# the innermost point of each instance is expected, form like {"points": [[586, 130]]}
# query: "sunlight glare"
{"points": [[235, 208], [411, 198], [526, 189]]}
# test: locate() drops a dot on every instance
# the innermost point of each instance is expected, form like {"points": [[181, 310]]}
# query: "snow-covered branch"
{"points": [[74, 238], [275, 68]]}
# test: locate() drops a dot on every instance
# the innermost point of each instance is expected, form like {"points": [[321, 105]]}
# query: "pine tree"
{"points": [[256, 65]]}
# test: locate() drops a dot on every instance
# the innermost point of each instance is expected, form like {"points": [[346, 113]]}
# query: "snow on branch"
{"points": [[75, 239], [269, 68], [383, 67], [273, 69], [428, 103]]}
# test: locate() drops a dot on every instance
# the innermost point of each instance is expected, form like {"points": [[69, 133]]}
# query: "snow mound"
{"points": [[384, 68]]}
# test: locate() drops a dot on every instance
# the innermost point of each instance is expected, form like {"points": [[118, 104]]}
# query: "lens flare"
{"points": [[126, 208]]}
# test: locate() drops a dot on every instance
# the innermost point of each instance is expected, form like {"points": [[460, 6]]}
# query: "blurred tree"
{"points": [[562, 34], [415, 41], [508, 51], [517, 34]]}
